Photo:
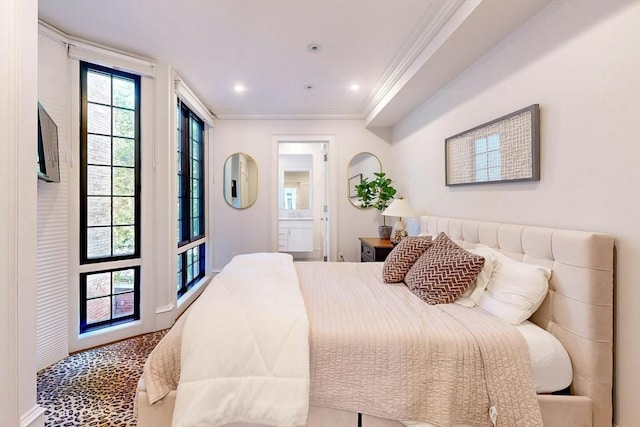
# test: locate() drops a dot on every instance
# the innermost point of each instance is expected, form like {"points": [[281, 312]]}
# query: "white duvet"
{"points": [[246, 362]]}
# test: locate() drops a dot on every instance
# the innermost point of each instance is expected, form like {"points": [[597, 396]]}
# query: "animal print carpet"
{"points": [[95, 387]]}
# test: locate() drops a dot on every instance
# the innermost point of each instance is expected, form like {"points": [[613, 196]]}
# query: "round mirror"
{"points": [[240, 180], [363, 165]]}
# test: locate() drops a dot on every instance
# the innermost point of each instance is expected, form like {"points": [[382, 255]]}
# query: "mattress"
{"points": [[550, 363]]}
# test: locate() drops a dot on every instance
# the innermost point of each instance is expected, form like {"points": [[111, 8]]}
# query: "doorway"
{"points": [[303, 211]]}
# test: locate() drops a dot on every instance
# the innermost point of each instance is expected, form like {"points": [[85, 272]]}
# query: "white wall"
{"points": [[581, 62], [18, 192], [53, 227], [253, 229]]}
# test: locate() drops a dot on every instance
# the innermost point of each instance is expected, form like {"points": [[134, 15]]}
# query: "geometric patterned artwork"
{"points": [[505, 149]]}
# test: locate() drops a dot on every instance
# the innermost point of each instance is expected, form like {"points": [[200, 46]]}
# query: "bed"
{"points": [[578, 311]]}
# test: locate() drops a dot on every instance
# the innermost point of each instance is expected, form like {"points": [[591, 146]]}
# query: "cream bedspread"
{"points": [[378, 349], [375, 348]]}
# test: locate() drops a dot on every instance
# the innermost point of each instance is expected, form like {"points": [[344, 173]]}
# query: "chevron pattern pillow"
{"points": [[402, 257], [443, 272]]}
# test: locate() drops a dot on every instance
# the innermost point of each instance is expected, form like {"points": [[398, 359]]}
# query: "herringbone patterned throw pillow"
{"points": [[443, 272], [402, 257]]}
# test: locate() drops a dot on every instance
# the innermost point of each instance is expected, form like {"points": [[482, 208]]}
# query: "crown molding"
{"points": [[288, 116], [86, 47], [52, 32], [432, 21]]}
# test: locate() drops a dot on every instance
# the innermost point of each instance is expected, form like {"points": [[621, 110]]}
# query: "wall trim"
{"points": [[84, 50], [18, 118], [52, 32], [9, 174], [186, 95], [34, 417], [436, 16], [289, 116]]}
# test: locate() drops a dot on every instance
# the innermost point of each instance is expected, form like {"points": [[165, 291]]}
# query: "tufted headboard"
{"points": [[578, 309]]}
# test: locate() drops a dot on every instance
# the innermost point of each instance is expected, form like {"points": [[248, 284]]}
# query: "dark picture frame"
{"points": [[506, 149], [353, 181]]}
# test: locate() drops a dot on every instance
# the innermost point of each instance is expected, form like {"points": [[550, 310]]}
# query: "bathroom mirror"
{"points": [[240, 180], [297, 192], [362, 165]]}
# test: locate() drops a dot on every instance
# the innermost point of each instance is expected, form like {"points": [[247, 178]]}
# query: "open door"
{"points": [[302, 200]]}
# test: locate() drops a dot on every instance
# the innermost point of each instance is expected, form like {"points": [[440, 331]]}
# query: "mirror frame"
{"points": [[352, 179], [226, 184]]}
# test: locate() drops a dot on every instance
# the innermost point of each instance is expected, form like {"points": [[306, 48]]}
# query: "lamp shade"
{"points": [[400, 208]]}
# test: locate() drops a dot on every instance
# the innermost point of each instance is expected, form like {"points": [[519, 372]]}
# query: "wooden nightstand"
{"points": [[373, 249]]}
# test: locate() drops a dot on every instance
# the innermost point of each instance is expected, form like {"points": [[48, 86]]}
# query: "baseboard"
{"points": [[34, 417]]}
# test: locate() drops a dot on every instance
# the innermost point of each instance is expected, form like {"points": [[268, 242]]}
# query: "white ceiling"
{"points": [[398, 51]]}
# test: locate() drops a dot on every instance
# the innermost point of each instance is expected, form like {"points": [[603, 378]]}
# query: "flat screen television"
{"points": [[48, 158]]}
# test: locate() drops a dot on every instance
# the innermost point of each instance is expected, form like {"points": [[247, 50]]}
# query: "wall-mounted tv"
{"points": [[48, 160]]}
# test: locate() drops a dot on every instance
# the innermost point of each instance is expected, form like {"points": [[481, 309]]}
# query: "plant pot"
{"points": [[384, 231]]}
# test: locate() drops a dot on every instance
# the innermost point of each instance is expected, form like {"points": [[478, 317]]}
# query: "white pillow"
{"points": [[471, 296], [515, 290]]}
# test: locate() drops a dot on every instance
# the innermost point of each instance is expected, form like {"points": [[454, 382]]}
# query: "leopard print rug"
{"points": [[95, 387]]}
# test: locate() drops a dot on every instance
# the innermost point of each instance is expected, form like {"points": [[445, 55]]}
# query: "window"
{"points": [[110, 173], [190, 202], [290, 196], [488, 159], [109, 297], [109, 196], [190, 268], [190, 185]]}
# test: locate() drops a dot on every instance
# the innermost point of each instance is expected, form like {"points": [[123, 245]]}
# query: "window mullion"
{"points": [[188, 186]]}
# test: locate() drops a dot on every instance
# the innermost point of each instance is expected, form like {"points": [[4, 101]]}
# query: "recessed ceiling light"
{"points": [[354, 87], [239, 88], [313, 47]]}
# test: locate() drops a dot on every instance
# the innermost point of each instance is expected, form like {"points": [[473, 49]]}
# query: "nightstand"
{"points": [[373, 249]]}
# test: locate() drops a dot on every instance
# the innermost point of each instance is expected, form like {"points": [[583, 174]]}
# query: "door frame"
{"points": [[331, 181]]}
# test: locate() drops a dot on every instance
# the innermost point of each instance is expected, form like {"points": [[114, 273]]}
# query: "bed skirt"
{"points": [[557, 411]]}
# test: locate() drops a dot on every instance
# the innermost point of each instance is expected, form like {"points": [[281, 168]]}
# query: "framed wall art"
{"points": [[506, 149], [353, 181]]}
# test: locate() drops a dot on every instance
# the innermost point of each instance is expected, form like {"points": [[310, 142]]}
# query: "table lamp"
{"points": [[400, 208]]}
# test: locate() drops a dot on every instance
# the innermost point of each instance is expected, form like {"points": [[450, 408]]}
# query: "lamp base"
{"points": [[398, 236], [401, 231]]}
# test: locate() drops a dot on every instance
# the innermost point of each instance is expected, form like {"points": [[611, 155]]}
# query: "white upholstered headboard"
{"points": [[579, 307]]}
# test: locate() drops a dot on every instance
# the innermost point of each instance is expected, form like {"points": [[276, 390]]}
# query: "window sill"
{"points": [[109, 330]]}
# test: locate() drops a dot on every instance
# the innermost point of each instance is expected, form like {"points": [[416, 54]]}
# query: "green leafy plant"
{"points": [[377, 193]]}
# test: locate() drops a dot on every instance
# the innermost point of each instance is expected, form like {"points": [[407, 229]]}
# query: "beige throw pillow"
{"points": [[402, 257], [443, 272]]}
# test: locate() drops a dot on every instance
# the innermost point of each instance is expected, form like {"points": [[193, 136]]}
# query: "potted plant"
{"points": [[377, 193]]}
